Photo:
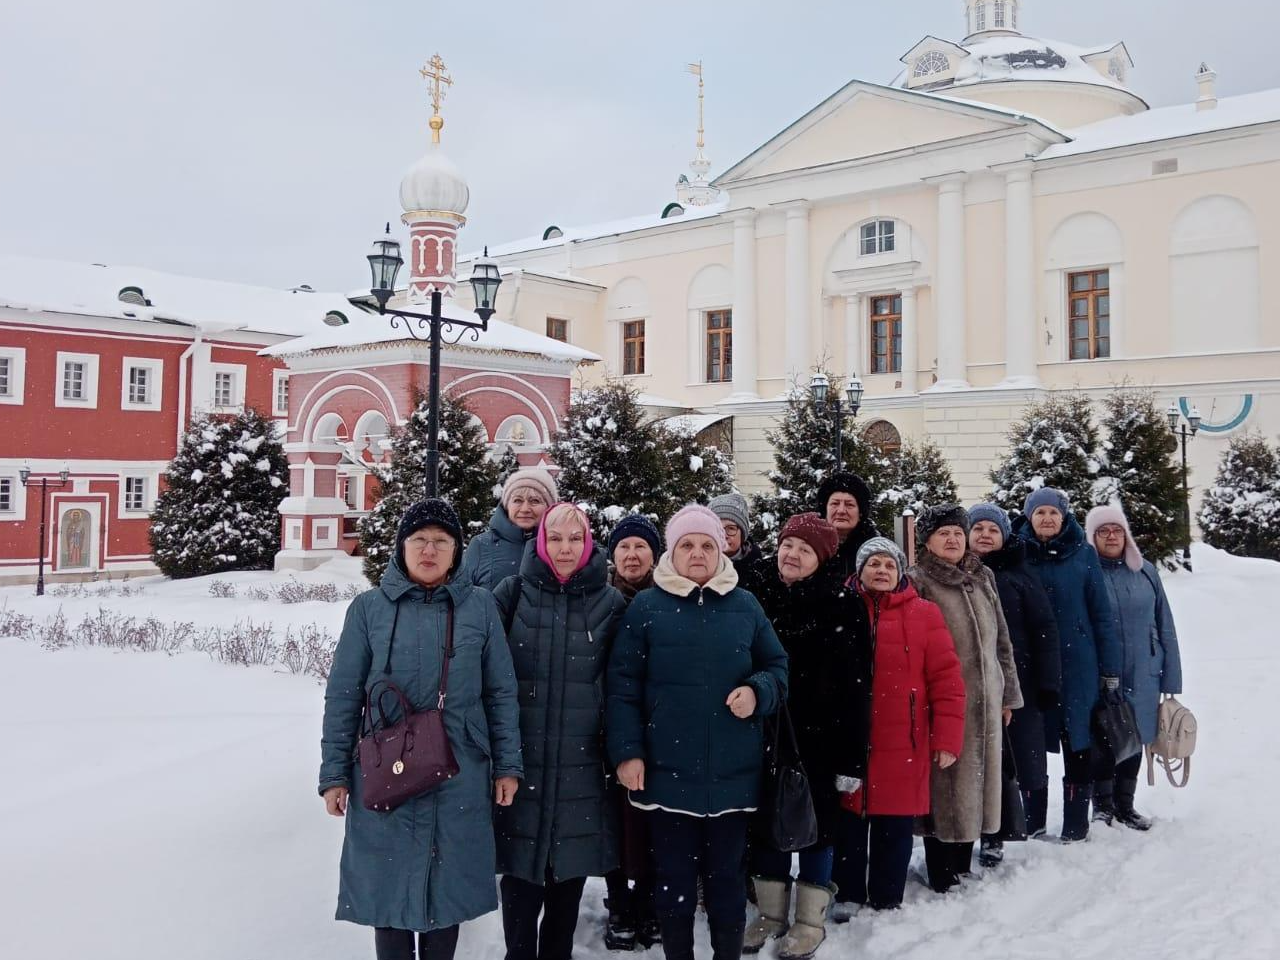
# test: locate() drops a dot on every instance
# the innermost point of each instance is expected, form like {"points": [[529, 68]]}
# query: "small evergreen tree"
{"points": [[219, 510], [467, 479], [804, 455], [1141, 473], [507, 465], [919, 477], [613, 462], [1240, 512], [1055, 444]]}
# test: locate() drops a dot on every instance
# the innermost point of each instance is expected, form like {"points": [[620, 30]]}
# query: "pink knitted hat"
{"points": [[1111, 513], [695, 518]]}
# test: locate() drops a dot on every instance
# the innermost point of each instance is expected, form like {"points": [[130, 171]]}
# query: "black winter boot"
{"points": [[726, 939], [991, 853], [620, 930], [1131, 818], [1104, 810], [677, 937], [1036, 804], [1075, 811]]}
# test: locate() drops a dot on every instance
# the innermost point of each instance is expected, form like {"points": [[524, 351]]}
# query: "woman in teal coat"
{"points": [[1152, 664], [495, 553], [426, 866]]}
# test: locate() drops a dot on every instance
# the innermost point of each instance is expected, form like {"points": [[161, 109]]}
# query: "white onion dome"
{"points": [[434, 184]]}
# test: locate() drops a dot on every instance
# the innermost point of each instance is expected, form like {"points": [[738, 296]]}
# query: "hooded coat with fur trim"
{"points": [[680, 652], [560, 637], [966, 795]]}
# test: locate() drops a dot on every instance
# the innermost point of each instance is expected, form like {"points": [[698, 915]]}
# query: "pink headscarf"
{"points": [[555, 513]]}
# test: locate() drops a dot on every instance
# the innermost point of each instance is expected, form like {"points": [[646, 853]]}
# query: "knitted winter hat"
{"points": [[843, 482], [732, 507], [933, 519], [554, 516], [882, 545], [1047, 497], [815, 531], [695, 518], [989, 511], [636, 525], [1113, 513], [534, 478], [430, 513]]}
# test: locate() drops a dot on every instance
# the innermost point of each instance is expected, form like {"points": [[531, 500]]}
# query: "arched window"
{"points": [[1013, 15], [999, 15], [931, 63], [884, 436], [979, 18], [878, 236]]}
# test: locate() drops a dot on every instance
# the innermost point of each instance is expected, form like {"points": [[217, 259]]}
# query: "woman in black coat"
{"points": [[1033, 629], [824, 628]]}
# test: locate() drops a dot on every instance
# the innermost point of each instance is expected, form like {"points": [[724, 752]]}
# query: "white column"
{"points": [[950, 288], [745, 350], [1020, 286], [910, 342], [799, 352], [855, 354]]}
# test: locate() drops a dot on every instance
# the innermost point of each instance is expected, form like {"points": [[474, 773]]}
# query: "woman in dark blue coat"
{"points": [[427, 865], [1069, 570], [695, 669]]}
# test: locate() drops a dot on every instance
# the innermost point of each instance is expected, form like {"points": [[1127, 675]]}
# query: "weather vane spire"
{"points": [[696, 70], [438, 82]]}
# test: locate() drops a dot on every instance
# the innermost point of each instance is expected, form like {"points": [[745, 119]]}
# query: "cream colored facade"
{"points": [[1006, 165]]}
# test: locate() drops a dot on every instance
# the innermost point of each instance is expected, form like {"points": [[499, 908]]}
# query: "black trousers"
{"points": [[714, 849], [1105, 768], [391, 944], [945, 862], [872, 856], [1077, 765], [523, 901]]}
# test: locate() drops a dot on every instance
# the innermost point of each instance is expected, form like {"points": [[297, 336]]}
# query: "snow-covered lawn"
{"points": [[163, 807]]}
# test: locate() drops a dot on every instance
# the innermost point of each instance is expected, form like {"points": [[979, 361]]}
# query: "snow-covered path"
{"points": [[164, 807]]}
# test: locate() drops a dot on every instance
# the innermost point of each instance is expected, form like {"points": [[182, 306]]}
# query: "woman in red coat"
{"points": [[917, 719]]}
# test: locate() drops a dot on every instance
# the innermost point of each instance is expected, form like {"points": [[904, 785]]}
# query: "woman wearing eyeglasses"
{"points": [[495, 554]]}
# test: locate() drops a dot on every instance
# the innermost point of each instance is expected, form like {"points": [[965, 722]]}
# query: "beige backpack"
{"points": [[1174, 743]]}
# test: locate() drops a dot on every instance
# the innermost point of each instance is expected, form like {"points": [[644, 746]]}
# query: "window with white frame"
{"points": [[979, 18], [74, 374], [135, 494], [999, 15], [77, 383], [280, 393], [224, 389], [13, 362], [6, 495], [877, 237], [141, 383], [931, 63], [6, 376]]}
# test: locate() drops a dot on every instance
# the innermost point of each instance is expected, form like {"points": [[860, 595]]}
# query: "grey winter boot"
{"points": [[810, 929], [773, 900], [1075, 811], [1104, 810], [1131, 818]]}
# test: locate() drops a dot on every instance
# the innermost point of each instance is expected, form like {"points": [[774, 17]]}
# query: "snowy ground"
{"points": [[164, 807]]}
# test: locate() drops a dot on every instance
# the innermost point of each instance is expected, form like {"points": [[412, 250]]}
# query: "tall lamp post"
{"points": [[385, 263], [1180, 429], [25, 475], [823, 399]]}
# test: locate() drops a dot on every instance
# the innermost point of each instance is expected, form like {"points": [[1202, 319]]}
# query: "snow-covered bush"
{"points": [[919, 477], [467, 479], [219, 507], [1240, 512], [613, 462]]}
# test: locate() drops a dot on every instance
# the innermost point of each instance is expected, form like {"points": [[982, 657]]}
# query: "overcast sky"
{"points": [[264, 141]]}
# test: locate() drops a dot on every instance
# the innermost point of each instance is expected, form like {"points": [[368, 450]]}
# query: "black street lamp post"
{"points": [[1180, 430], [25, 475], [385, 262], [820, 390]]}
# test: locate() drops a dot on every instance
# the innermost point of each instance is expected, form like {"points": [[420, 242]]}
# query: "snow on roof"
{"points": [[1167, 123], [609, 228], [652, 400], [694, 422], [213, 306], [366, 326]]}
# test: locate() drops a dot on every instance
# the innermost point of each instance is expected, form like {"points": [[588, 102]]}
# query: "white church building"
{"points": [[1004, 218]]}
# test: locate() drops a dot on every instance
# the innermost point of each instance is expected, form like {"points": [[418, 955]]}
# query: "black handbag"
{"points": [[790, 823], [1115, 728], [1013, 815]]}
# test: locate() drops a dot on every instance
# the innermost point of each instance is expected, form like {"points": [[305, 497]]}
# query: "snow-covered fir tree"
{"points": [[508, 464], [804, 455], [1055, 444], [1240, 512], [614, 462], [919, 476], [468, 477], [219, 509], [1141, 473]]}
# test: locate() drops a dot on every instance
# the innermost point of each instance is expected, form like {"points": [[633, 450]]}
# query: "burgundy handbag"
{"points": [[405, 759]]}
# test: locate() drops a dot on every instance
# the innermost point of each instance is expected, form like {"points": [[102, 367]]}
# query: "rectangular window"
{"points": [[140, 385], [73, 377], [558, 329], [1089, 314], [886, 334], [224, 389], [281, 398], [349, 490], [719, 346], [980, 18], [6, 494], [999, 17], [135, 494], [6, 376], [633, 347], [877, 237]]}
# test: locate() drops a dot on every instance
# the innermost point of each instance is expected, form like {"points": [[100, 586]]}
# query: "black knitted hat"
{"points": [[430, 513]]}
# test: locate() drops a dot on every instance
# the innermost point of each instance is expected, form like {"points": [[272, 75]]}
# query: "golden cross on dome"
{"points": [[438, 81]]}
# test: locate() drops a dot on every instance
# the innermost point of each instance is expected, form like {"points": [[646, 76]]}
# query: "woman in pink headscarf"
{"points": [[560, 614]]}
